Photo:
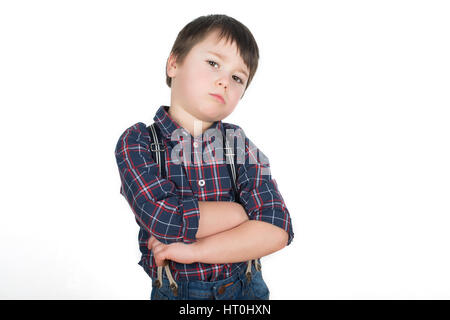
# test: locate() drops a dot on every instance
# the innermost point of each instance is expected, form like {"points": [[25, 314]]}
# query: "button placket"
{"points": [[198, 156]]}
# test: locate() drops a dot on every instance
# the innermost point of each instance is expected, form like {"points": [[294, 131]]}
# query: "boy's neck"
{"points": [[188, 121]]}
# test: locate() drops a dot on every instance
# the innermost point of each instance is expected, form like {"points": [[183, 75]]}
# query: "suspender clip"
{"points": [[229, 151], [249, 276], [174, 289], [257, 265], [157, 284], [156, 147]]}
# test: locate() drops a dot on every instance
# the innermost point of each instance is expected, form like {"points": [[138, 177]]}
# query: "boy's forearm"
{"points": [[250, 240], [219, 216]]}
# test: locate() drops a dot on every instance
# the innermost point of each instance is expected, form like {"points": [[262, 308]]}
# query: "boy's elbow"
{"points": [[284, 237], [277, 236], [281, 238]]}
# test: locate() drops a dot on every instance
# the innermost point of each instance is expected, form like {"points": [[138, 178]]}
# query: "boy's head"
{"points": [[213, 54]]}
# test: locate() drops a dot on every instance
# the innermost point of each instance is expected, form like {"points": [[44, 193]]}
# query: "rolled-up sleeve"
{"points": [[153, 199], [259, 193]]}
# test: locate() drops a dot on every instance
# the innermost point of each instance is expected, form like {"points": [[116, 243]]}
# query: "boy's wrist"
{"points": [[196, 250]]}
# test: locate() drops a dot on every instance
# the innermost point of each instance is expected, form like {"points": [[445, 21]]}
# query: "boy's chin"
{"points": [[208, 116]]}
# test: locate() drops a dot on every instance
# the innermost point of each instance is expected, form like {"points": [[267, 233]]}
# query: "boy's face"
{"points": [[203, 73]]}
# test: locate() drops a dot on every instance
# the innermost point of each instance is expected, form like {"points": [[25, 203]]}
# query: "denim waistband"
{"points": [[239, 274], [183, 288]]}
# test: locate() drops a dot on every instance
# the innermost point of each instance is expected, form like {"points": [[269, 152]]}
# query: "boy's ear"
{"points": [[171, 65]]}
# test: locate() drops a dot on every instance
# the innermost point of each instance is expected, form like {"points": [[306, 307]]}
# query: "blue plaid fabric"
{"points": [[167, 207]]}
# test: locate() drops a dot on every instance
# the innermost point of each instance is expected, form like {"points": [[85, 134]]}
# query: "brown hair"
{"points": [[196, 30]]}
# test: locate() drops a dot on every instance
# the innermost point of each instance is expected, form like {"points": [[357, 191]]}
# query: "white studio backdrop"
{"points": [[350, 103]]}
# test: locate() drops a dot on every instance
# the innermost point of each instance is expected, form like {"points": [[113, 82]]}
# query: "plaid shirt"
{"points": [[168, 208]]}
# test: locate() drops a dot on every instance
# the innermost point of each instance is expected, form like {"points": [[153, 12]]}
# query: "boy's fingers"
{"points": [[152, 241], [149, 242], [159, 251], [160, 254], [161, 263], [156, 245], [159, 258]]}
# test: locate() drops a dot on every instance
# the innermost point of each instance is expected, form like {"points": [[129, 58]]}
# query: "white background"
{"points": [[350, 103]]}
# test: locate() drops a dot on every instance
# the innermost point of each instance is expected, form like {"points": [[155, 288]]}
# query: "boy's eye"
{"points": [[240, 80], [213, 63]]}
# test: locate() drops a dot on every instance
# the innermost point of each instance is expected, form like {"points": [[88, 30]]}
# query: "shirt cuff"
{"points": [[277, 217], [191, 216]]}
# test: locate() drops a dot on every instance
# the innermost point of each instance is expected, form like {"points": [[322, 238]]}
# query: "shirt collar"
{"points": [[168, 125]]}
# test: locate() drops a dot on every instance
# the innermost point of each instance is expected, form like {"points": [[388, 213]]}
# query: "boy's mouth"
{"points": [[218, 97]]}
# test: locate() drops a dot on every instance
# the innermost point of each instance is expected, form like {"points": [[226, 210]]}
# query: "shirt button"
{"points": [[201, 183], [195, 144]]}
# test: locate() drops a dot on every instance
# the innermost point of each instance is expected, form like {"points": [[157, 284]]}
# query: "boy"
{"points": [[190, 221]]}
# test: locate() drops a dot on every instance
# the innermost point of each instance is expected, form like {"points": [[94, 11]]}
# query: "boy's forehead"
{"points": [[212, 43], [213, 37], [221, 47]]}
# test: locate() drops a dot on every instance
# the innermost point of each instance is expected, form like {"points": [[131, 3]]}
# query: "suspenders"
{"points": [[158, 149]]}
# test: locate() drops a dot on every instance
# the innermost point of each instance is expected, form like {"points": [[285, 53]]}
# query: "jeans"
{"points": [[236, 287]]}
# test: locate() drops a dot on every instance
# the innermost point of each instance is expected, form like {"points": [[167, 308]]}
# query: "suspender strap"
{"points": [[230, 156], [158, 149]]}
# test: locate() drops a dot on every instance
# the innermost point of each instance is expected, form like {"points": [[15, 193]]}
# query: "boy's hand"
{"points": [[177, 251]]}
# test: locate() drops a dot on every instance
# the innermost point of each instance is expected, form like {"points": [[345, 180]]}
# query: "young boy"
{"points": [[190, 220]]}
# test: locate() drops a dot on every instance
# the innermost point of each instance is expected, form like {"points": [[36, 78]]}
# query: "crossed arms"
{"points": [[225, 235], [186, 230]]}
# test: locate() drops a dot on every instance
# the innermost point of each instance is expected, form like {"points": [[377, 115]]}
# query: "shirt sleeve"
{"points": [[153, 200], [258, 191]]}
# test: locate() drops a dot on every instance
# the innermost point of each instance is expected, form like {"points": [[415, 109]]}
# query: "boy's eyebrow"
{"points": [[225, 59]]}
